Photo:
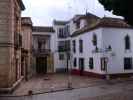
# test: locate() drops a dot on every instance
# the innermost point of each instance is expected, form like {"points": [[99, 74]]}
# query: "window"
{"points": [[63, 46], [127, 63], [103, 64], [61, 33], [81, 46], [127, 43], [91, 64], [74, 46], [94, 41], [75, 62], [67, 30], [81, 65], [39, 45], [61, 56]]}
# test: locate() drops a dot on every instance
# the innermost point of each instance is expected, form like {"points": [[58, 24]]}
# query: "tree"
{"points": [[120, 8]]}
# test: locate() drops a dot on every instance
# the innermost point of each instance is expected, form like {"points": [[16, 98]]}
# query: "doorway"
{"points": [[41, 65], [81, 65]]}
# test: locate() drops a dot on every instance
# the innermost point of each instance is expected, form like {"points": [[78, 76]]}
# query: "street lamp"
{"points": [[69, 68], [69, 73]]}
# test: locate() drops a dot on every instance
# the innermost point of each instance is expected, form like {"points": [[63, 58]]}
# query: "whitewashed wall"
{"points": [[87, 50], [58, 64], [115, 38], [106, 36]]}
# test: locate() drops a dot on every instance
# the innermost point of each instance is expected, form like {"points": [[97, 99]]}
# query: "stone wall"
{"points": [[4, 42], [27, 44], [10, 23]]}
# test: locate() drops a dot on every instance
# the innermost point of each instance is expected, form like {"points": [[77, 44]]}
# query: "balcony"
{"points": [[62, 36], [41, 52], [63, 48]]}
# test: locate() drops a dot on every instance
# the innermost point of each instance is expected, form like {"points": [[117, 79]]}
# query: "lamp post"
{"points": [[69, 66]]}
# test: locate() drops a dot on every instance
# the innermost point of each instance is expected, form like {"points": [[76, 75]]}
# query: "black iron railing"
{"points": [[39, 52]]}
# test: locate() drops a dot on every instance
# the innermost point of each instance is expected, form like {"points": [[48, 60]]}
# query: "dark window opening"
{"points": [[39, 45], [74, 46], [75, 62], [61, 56], [64, 46], [127, 63], [91, 64], [127, 42], [103, 64], [81, 46], [81, 65], [94, 41]]}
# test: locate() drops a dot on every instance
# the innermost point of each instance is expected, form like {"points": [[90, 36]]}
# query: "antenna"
{"points": [[69, 6], [75, 2]]}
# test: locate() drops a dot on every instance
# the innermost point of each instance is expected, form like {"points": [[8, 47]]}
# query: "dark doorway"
{"points": [[81, 65], [41, 65]]}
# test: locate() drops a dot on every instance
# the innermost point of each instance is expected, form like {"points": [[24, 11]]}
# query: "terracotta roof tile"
{"points": [[113, 22], [86, 16], [104, 22]]}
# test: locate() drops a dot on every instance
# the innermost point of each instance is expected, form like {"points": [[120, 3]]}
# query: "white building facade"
{"points": [[60, 46], [42, 50], [93, 46], [105, 48]]}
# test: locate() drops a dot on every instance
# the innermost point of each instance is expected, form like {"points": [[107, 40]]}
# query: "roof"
{"points": [[77, 16], [60, 22], [26, 21], [43, 29], [113, 22], [86, 16], [104, 22]]}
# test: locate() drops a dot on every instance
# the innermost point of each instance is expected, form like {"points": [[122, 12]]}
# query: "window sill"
{"points": [[128, 51]]}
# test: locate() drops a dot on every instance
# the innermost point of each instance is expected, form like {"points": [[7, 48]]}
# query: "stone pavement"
{"points": [[54, 82], [127, 95], [119, 91]]}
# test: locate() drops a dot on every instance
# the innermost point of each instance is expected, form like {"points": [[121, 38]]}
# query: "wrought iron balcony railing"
{"points": [[63, 48], [41, 52]]}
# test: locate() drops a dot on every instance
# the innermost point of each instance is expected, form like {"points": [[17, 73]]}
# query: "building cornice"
{"points": [[20, 2]]}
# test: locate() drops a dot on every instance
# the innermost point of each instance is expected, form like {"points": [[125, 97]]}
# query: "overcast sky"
{"points": [[43, 12]]}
